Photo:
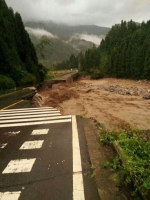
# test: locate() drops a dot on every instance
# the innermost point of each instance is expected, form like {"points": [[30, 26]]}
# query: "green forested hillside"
{"points": [[125, 53], [58, 50], [18, 60], [80, 44], [55, 52]]}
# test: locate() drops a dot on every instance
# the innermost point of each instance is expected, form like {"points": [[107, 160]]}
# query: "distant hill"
{"points": [[65, 40], [80, 44], [57, 51], [65, 31]]}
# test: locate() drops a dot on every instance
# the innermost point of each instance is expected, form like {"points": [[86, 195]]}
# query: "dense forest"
{"points": [[124, 53], [18, 61]]}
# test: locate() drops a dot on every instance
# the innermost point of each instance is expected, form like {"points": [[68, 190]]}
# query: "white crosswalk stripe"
{"points": [[26, 111], [31, 116], [34, 119], [31, 113], [10, 195], [21, 109]]}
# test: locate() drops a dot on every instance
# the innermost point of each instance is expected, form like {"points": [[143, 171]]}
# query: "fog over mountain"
{"points": [[73, 12], [91, 38], [39, 32]]}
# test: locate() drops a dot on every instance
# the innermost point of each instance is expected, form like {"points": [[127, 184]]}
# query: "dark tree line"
{"points": [[18, 60], [68, 64], [125, 53]]}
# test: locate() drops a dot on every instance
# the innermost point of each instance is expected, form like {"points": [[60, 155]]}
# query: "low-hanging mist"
{"points": [[40, 32], [87, 37], [90, 38]]}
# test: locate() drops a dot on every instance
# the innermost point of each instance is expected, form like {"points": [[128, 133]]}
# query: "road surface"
{"points": [[14, 100], [43, 156]]}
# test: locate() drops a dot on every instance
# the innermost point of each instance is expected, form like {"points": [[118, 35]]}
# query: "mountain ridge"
{"points": [[62, 30], [65, 39]]}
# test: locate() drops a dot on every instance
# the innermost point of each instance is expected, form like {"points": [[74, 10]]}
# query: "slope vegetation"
{"points": [[18, 60], [56, 51]]}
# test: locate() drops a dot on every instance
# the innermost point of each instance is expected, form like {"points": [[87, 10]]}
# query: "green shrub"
{"points": [[28, 80], [135, 154], [96, 74], [6, 83], [83, 73], [42, 72]]}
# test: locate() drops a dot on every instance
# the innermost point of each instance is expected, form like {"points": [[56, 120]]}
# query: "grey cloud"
{"points": [[92, 38], [100, 12], [65, 2], [40, 32]]}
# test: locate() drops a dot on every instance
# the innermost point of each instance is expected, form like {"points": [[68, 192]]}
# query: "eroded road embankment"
{"points": [[17, 99]]}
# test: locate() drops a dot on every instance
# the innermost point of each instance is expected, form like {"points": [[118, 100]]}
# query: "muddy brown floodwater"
{"points": [[110, 101]]}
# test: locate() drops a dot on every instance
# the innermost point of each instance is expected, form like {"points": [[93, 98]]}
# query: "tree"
{"points": [[41, 45], [18, 56], [124, 53]]}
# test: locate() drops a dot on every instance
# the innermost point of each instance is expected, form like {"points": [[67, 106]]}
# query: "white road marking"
{"points": [[12, 133], [36, 144], [3, 145], [21, 109], [40, 132], [31, 113], [19, 166], [78, 187], [36, 123], [29, 116], [35, 119], [10, 195]]}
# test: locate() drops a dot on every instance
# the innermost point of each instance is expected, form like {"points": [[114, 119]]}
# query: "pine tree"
{"points": [[18, 57]]}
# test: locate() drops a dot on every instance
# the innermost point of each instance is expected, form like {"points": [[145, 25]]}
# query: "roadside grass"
{"points": [[93, 167], [3, 92], [132, 161], [54, 74], [50, 75]]}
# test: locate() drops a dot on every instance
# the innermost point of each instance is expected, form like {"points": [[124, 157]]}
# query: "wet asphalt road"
{"points": [[44, 172], [9, 99], [51, 175]]}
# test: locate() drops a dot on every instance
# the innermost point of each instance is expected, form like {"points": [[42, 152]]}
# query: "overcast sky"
{"points": [[99, 12]]}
